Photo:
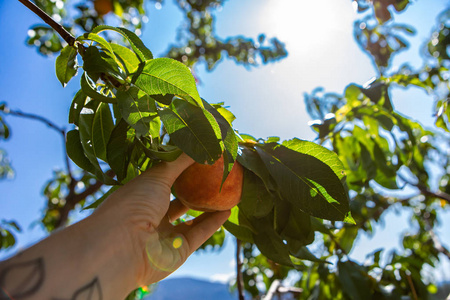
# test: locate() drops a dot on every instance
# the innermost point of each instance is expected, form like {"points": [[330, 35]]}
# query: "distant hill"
{"points": [[192, 289]]}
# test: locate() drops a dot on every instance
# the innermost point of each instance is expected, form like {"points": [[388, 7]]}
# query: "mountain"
{"points": [[192, 289]]}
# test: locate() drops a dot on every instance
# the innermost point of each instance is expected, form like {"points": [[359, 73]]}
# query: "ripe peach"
{"points": [[198, 187], [102, 7]]}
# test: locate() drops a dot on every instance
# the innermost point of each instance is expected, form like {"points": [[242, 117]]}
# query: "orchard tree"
{"points": [[133, 111], [383, 152]]}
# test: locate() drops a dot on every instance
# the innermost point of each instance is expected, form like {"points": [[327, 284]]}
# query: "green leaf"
{"points": [[282, 210], [270, 243], [304, 254], [326, 156], [139, 110], [167, 152], [7, 240], [77, 105], [228, 115], [355, 280], [4, 129], [228, 135], [272, 139], [298, 231], [248, 137], [87, 132], [138, 46], [167, 76], [126, 57], [235, 228], [166, 99], [89, 88], [346, 237], [66, 64], [256, 201], [102, 127], [240, 232], [349, 219], [76, 152], [117, 150], [89, 36], [191, 131], [317, 225], [250, 159], [96, 62], [307, 182], [100, 200]]}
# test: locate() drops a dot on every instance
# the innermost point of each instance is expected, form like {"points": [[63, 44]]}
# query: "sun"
{"points": [[304, 24]]}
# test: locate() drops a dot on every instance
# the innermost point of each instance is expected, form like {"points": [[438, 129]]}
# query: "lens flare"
{"points": [[177, 242], [163, 251]]}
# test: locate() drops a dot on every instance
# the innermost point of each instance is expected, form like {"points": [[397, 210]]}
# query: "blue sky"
{"points": [[267, 100]]}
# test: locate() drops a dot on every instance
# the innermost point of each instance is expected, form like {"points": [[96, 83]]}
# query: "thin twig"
{"points": [[411, 285], [424, 190], [70, 39], [239, 279], [272, 290], [73, 199], [61, 131], [35, 117], [437, 244]]}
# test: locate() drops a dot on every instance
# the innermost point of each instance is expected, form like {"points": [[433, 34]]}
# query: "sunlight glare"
{"points": [[301, 23]]}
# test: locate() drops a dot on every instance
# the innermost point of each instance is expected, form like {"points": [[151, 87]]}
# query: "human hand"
{"points": [[144, 209]]}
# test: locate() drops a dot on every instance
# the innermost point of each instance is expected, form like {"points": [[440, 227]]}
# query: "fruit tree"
{"points": [[133, 110]]}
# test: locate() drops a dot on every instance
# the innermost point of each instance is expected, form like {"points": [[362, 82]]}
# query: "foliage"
{"points": [[133, 111], [6, 170], [7, 239], [382, 151], [197, 40]]}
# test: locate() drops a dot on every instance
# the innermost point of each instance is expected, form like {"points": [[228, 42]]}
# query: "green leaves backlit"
{"points": [[133, 111], [66, 65]]}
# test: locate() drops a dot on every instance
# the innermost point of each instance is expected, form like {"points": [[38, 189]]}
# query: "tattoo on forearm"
{"points": [[32, 275], [90, 291]]}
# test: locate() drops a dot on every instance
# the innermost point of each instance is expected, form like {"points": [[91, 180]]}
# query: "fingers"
{"points": [[168, 172], [202, 228], [176, 210]]}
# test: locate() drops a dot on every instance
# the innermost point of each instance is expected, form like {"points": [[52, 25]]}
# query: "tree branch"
{"points": [[50, 124], [425, 191], [70, 39], [72, 199], [437, 244], [411, 285], [35, 117], [273, 289], [239, 280]]}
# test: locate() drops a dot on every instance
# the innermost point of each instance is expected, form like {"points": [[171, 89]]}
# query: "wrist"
{"points": [[111, 244]]}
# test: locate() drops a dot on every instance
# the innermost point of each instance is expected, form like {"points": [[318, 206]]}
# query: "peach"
{"points": [[198, 187], [102, 7]]}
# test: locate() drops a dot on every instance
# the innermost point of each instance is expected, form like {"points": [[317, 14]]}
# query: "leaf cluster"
{"points": [[133, 111], [7, 238], [383, 151], [196, 41]]}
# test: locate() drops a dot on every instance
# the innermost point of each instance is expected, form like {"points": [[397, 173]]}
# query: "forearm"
{"points": [[92, 257]]}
